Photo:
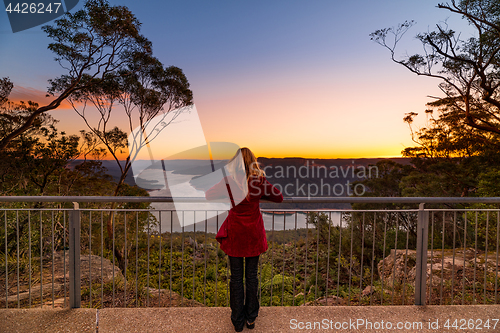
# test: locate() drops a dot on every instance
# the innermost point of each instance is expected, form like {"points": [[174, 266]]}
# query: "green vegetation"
{"points": [[300, 267]]}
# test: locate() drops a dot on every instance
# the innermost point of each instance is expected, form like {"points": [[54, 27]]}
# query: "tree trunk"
{"points": [[117, 253]]}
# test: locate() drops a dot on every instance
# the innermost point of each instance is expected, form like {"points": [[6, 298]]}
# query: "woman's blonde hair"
{"points": [[252, 167]]}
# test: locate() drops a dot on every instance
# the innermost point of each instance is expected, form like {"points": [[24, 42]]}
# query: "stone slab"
{"points": [[423, 319], [47, 320], [419, 319]]}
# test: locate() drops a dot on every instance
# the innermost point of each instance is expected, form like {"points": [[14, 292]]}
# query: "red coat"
{"points": [[242, 234]]}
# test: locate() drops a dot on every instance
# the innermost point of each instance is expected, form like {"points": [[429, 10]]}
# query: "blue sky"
{"points": [[286, 78]]}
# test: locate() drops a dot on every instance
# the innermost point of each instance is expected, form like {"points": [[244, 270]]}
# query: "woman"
{"points": [[242, 235]]}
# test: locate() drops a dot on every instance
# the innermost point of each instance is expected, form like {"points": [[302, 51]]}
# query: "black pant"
{"points": [[243, 299]]}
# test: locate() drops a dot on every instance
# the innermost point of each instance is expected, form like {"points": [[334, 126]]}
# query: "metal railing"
{"points": [[103, 257]]}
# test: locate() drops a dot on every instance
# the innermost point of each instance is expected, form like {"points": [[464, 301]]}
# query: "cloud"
{"points": [[20, 93]]}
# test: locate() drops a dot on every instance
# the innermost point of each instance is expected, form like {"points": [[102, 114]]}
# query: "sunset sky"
{"points": [[284, 78]]}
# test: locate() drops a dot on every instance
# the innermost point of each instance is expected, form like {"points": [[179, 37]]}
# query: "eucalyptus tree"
{"points": [[5, 89], [13, 115], [140, 92], [144, 90], [468, 68], [460, 142], [91, 45]]}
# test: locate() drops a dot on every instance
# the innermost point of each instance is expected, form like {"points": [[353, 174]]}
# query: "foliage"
{"points": [[457, 151], [468, 68], [144, 89], [92, 45]]}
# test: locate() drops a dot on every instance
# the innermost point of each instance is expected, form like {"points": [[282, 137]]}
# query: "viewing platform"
{"points": [[421, 319], [417, 266]]}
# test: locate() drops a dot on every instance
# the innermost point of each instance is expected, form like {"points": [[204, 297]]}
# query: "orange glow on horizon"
{"points": [[341, 152], [267, 153]]}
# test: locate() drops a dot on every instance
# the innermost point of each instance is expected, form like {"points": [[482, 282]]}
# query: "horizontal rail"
{"points": [[336, 256], [286, 200]]}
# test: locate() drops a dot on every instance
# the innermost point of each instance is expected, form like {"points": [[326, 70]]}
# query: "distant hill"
{"points": [[112, 169], [294, 176], [315, 177]]}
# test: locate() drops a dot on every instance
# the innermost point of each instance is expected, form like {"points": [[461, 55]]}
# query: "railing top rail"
{"points": [[286, 200]]}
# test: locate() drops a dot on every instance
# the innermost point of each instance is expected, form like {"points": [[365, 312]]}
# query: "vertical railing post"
{"points": [[74, 257], [422, 244]]}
